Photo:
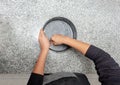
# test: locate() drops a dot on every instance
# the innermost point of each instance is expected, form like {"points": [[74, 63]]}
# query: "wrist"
{"points": [[42, 55], [44, 51], [65, 40]]}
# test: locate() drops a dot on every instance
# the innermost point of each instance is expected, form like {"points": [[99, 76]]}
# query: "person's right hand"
{"points": [[43, 40], [57, 39]]}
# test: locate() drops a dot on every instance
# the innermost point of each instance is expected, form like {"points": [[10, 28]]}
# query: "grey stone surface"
{"points": [[97, 22]]}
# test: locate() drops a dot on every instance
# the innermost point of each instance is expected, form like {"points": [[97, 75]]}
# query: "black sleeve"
{"points": [[107, 69], [35, 79]]}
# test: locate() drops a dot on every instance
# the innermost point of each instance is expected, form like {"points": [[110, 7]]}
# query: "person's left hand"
{"points": [[43, 41]]}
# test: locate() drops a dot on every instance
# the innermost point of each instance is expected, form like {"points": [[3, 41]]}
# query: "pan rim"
{"points": [[72, 26]]}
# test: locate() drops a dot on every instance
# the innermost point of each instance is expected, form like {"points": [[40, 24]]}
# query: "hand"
{"points": [[43, 41], [57, 39]]}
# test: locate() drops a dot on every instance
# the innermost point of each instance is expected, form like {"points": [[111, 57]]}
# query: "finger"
{"points": [[53, 37], [51, 42], [54, 43], [41, 32]]}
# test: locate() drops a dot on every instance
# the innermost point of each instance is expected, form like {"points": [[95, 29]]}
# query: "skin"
{"points": [[55, 40], [44, 46], [78, 45]]}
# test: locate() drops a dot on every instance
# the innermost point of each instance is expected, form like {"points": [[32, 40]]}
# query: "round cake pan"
{"points": [[59, 25]]}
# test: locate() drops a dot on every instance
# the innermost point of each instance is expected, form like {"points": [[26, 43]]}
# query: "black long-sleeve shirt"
{"points": [[107, 69]]}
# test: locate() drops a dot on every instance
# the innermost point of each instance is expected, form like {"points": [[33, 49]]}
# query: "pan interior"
{"points": [[58, 27]]}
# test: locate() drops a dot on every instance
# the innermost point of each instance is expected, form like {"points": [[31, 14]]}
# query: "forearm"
{"points": [[36, 77], [104, 63], [39, 67], [78, 45]]}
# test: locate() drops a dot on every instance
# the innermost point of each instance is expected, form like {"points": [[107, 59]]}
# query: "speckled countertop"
{"points": [[97, 22]]}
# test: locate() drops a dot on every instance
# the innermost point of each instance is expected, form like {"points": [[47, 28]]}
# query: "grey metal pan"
{"points": [[59, 25]]}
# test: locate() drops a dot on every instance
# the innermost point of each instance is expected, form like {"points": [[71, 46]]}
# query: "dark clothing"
{"points": [[80, 79], [107, 69]]}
